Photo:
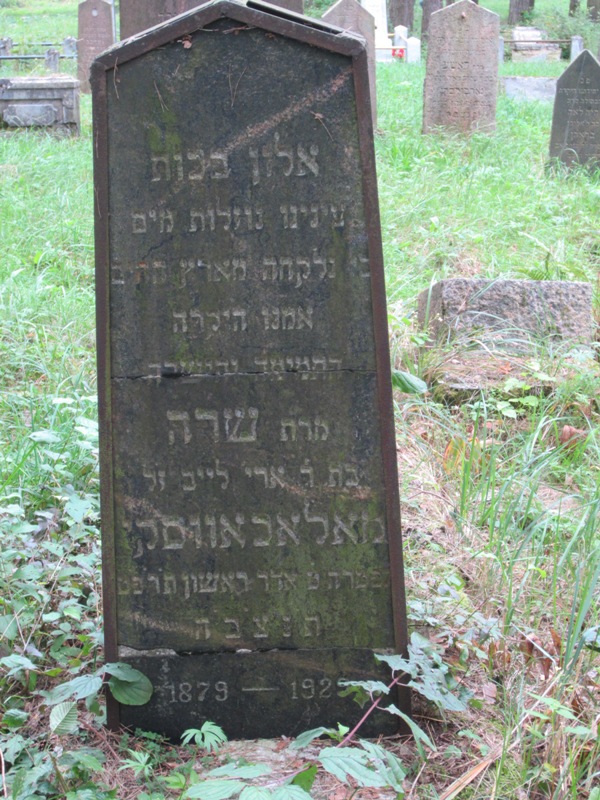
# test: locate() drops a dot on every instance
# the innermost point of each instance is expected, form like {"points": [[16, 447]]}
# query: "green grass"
{"points": [[501, 520]]}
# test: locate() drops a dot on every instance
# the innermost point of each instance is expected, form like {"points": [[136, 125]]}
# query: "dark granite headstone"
{"points": [[95, 34], [575, 137], [351, 16], [250, 518], [462, 69]]}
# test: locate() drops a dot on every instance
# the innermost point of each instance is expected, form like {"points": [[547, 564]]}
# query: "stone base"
{"points": [[508, 314], [518, 88]]}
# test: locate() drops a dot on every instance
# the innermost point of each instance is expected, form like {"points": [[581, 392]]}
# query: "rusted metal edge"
{"points": [[102, 251], [382, 356], [328, 37]]}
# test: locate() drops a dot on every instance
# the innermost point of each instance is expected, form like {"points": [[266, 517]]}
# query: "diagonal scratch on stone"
{"points": [[319, 95]]}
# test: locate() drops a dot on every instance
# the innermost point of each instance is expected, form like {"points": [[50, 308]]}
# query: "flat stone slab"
{"points": [[50, 102], [524, 89], [526, 48], [508, 313]]}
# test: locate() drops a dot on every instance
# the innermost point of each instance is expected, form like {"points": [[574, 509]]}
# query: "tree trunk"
{"points": [[402, 12], [593, 9], [574, 7], [516, 10], [429, 6]]}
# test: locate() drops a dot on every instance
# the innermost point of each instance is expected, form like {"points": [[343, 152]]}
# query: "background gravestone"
{"points": [[462, 69], [351, 16], [251, 540], [95, 33], [575, 137], [138, 15], [378, 10]]}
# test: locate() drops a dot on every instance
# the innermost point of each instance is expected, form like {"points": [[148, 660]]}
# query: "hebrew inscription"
{"points": [[248, 484]]}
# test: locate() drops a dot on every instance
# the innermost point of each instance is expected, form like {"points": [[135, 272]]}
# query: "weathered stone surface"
{"points": [[576, 47], [281, 692], [50, 102], [508, 312], [95, 34], [351, 16], [462, 69], [528, 45], [519, 88], [575, 137], [248, 486]]}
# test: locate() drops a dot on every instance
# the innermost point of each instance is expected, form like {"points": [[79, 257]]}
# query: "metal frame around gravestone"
{"points": [[461, 80], [250, 517], [575, 136]]}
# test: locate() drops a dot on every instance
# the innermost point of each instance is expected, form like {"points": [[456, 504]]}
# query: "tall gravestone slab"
{"points": [[575, 137], [251, 538], [351, 16], [462, 69], [96, 33]]}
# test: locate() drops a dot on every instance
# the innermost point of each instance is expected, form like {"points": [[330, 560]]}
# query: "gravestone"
{"points": [[138, 15], [576, 47], [50, 103], [95, 34], [351, 16], [462, 69], [575, 137], [52, 60], [378, 10], [251, 540], [413, 50]]}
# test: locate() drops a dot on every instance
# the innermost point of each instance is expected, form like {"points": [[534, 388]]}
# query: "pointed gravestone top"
{"points": [[462, 68], [249, 491], [575, 137], [351, 16]]}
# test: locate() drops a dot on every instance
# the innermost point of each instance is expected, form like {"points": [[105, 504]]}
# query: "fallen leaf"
{"points": [[490, 693], [570, 436]]}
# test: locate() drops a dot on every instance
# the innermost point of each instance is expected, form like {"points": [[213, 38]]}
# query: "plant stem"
{"points": [[370, 710]]}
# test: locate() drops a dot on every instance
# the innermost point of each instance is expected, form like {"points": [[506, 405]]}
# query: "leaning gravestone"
{"points": [[252, 552], [462, 69], [351, 16], [575, 137], [95, 34]]}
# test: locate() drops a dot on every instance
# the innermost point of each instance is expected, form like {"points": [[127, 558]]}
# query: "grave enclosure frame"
{"points": [[130, 399]]}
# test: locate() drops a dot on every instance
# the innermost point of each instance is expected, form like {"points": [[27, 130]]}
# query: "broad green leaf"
{"points": [[373, 687], [8, 627], [291, 791], [44, 436], [305, 779], [410, 384], [63, 718], [129, 693], [16, 663], [554, 705], [214, 790], [244, 771], [387, 765], [78, 688], [15, 718], [124, 672], [308, 736], [395, 663], [255, 793], [417, 732], [345, 762]]}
